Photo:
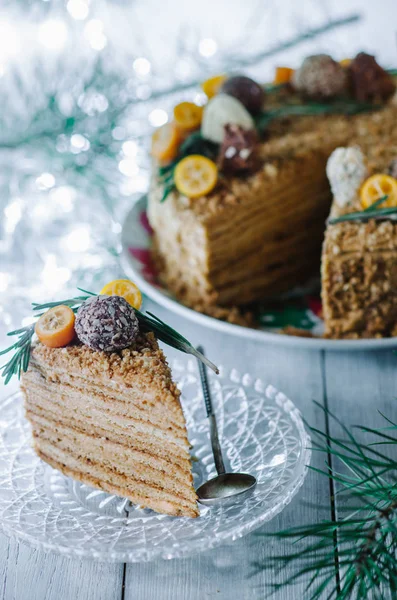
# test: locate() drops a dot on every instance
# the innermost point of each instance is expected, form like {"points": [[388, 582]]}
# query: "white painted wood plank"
{"points": [[359, 387], [362, 383], [30, 574], [223, 573]]}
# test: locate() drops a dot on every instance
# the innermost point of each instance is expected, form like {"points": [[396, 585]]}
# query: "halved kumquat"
{"points": [[283, 75], [56, 327], [377, 186], [126, 289], [165, 142], [212, 85], [195, 176], [187, 116]]}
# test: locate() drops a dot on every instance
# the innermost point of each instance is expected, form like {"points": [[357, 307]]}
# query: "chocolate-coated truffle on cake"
{"points": [[106, 323]]}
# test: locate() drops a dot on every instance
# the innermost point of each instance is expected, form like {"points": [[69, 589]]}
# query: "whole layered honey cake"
{"points": [[239, 194], [101, 401]]}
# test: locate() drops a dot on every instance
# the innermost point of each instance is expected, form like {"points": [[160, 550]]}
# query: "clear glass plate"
{"points": [[261, 433]]}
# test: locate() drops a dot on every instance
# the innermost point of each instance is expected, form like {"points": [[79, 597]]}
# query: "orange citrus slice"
{"points": [[212, 85], [56, 327], [126, 289], [195, 176], [188, 115], [283, 75], [165, 142], [377, 186]]}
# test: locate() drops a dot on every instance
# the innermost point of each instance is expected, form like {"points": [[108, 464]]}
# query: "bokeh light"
{"points": [[53, 34], [45, 181], [158, 117], [128, 167], [141, 66], [93, 32], [10, 41], [208, 47], [78, 9]]}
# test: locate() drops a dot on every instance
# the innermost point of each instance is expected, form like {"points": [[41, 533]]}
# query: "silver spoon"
{"points": [[226, 487]]}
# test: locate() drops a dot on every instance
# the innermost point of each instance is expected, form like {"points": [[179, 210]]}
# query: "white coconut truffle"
{"points": [[220, 111], [346, 170]]}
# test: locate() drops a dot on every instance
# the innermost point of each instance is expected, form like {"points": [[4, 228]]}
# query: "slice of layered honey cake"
{"points": [[112, 420], [102, 404]]}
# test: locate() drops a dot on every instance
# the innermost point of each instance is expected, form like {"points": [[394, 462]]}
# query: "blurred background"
{"points": [[82, 85]]}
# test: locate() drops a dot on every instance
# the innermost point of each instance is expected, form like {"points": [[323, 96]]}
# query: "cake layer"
{"points": [[90, 401], [129, 401], [143, 495], [252, 251], [139, 465], [142, 366], [139, 437]]}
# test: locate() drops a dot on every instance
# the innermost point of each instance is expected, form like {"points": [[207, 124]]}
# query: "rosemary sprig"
{"points": [[274, 87], [147, 322], [20, 360], [312, 108], [165, 333], [377, 203], [372, 212], [354, 556]]}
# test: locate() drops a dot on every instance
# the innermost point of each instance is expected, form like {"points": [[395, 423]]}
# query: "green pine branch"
{"points": [[365, 532]]}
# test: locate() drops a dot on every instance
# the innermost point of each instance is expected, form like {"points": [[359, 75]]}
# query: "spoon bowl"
{"points": [[226, 487]]}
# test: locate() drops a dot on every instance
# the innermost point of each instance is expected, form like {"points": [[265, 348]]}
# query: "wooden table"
{"points": [[353, 385]]}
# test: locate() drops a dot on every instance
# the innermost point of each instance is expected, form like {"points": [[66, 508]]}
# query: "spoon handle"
{"points": [[216, 447]]}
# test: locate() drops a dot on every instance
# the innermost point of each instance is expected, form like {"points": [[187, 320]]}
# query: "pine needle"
{"points": [[312, 109], [367, 214], [366, 531]]}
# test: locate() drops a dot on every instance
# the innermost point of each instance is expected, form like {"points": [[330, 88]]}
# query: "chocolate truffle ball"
{"points": [[237, 153], [321, 77], [369, 81], [247, 91], [106, 323]]}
